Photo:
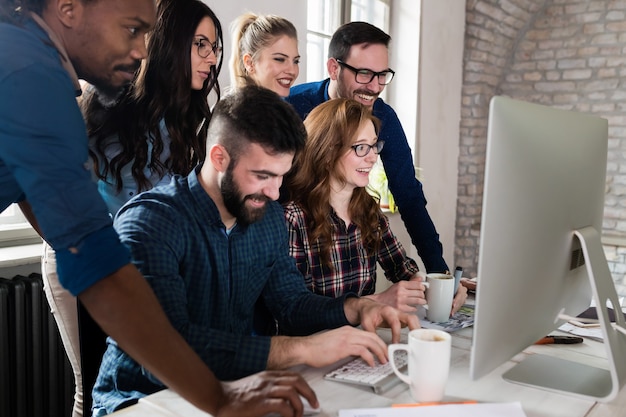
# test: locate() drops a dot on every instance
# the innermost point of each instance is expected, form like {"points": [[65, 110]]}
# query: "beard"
{"points": [[343, 91], [106, 97], [235, 201]]}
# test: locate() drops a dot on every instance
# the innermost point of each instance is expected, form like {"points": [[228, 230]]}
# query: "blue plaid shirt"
{"points": [[208, 284]]}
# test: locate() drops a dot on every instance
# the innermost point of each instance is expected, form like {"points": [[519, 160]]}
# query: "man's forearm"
{"points": [[125, 307], [286, 352]]}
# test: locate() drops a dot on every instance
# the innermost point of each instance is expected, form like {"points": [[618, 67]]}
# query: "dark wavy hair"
{"points": [[331, 128], [161, 90]]}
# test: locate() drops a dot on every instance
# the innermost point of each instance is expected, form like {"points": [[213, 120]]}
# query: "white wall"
{"points": [[402, 93], [426, 93], [439, 111], [293, 10]]}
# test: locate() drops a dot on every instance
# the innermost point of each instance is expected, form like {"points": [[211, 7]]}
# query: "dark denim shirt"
{"points": [[43, 157]]}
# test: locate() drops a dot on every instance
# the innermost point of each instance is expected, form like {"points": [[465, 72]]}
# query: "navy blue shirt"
{"points": [[43, 157], [396, 157], [208, 283]]}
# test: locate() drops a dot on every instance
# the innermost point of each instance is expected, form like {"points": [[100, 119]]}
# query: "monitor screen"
{"points": [[540, 254]]}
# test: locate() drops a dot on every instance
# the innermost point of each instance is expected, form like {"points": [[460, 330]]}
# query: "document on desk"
{"points": [[459, 320], [167, 403], [445, 410]]}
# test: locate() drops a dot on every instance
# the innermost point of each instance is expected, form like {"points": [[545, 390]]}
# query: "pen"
{"points": [[458, 273], [432, 403], [559, 340]]}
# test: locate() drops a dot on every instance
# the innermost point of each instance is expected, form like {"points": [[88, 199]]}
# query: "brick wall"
{"points": [[562, 53]]}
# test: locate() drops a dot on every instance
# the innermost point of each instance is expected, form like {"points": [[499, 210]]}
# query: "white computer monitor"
{"points": [[540, 254]]}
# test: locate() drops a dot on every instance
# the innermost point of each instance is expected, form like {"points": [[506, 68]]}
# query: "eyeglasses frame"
{"points": [[214, 47], [358, 71], [376, 147]]}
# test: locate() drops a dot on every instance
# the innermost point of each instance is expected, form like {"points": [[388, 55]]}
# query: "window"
{"points": [[15, 229], [324, 16], [12, 215]]}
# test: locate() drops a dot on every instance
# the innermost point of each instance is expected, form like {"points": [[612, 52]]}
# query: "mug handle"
{"points": [[392, 349]]}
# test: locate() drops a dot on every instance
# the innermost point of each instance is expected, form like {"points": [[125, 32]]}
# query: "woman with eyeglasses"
{"points": [[158, 127], [337, 232], [265, 52]]}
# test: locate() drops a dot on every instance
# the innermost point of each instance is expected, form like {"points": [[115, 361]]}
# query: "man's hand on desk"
{"points": [[371, 315], [325, 348], [267, 392], [343, 342], [328, 347]]}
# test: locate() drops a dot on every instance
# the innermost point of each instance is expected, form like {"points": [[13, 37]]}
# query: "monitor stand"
{"points": [[589, 382]]}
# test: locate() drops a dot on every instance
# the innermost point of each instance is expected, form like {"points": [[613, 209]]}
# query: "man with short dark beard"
{"points": [[214, 243]]}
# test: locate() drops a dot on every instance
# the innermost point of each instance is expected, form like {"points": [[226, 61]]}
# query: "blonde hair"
{"points": [[251, 33]]}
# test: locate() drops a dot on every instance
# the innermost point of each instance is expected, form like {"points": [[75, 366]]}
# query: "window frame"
{"points": [[15, 230], [340, 11]]}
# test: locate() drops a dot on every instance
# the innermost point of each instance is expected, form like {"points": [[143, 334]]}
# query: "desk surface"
{"points": [[334, 396]]}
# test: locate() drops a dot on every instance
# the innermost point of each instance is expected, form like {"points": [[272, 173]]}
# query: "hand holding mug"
{"points": [[439, 295]]}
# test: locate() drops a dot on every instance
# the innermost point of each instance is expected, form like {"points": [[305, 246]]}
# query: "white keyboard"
{"points": [[379, 378]]}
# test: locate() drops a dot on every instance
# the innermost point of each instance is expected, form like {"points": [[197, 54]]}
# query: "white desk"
{"points": [[334, 396]]}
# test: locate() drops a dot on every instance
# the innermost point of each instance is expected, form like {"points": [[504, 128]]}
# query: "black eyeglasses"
{"points": [[365, 76], [363, 149], [205, 47]]}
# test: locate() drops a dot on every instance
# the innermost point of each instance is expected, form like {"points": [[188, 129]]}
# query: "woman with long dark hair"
{"points": [[158, 127]]}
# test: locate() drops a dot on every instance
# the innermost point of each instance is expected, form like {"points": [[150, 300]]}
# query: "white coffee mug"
{"points": [[428, 353], [439, 295]]}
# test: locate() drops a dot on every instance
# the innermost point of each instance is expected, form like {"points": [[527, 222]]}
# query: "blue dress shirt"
{"points": [[43, 157]]}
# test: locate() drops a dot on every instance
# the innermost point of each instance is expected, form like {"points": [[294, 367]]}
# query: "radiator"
{"points": [[36, 379]]}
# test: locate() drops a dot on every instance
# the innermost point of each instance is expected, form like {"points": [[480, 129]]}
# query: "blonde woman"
{"points": [[265, 52]]}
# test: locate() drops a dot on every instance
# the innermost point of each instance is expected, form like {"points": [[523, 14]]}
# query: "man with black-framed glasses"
{"points": [[358, 66]]}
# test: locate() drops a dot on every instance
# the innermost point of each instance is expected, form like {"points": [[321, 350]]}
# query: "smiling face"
{"points": [[275, 67], [253, 180], [356, 169], [106, 40], [204, 38], [374, 57]]}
